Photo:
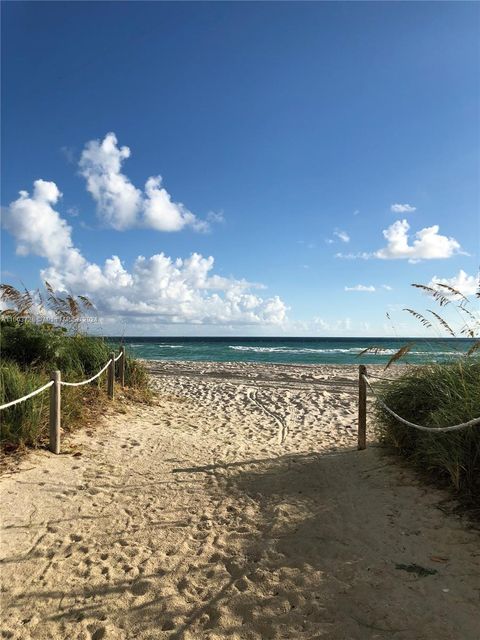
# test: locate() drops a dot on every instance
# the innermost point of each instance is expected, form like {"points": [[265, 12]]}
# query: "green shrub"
{"points": [[82, 356], [30, 353], [24, 422], [32, 345], [436, 395], [48, 348]]}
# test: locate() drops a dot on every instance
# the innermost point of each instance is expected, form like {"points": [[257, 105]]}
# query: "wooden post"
{"points": [[55, 412], [362, 407], [122, 367], [111, 376]]}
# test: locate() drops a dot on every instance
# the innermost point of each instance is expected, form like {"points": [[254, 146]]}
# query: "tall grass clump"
{"points": [[31, 351], [436, 395], [136, 375], [439, 394], [24, 422], [49, 347]]}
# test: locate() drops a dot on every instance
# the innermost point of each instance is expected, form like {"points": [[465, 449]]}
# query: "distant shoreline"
{"points": [[298, 351]]}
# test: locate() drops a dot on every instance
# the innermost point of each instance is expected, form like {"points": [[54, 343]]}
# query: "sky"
{"points": [[242, 168]]}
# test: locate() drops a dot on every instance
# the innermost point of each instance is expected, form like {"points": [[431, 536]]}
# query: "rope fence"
{"points": [[363, 382], [55, 386], [372, 375], [79, 384], [29, 395]]}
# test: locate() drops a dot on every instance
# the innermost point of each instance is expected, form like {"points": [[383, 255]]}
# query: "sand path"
{"points": [[236, 507]]}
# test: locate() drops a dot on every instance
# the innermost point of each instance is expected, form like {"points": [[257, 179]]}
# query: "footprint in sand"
{"points": [[98, 634], [141, 587]]}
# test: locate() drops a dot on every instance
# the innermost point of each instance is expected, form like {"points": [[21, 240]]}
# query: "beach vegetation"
{"points": [[32, 350], [439, 394], [436, 395]]}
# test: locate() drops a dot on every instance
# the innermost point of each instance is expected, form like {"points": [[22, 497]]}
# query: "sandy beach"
{"points": [[235, 506]]}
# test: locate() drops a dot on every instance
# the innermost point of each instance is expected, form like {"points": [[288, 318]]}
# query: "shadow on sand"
{"points": [[297, 547]]}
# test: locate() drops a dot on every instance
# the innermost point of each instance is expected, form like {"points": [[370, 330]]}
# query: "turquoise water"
{"points": [[293, 350]]}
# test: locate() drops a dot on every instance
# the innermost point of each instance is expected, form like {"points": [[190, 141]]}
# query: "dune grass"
{"points": [[436, 395], [30, 352]]}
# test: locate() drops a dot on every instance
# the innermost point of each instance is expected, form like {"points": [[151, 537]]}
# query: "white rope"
{"points": [[470, 423], [79, 384], [30, 395], [118, 357], [372, 375]]}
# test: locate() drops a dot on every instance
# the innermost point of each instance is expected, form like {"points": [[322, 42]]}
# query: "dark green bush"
{"points": [[30, 344], [48, 348]]}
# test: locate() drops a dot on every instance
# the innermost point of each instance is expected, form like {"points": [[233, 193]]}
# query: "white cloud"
{"points": [[118, 201], [467, 285], [162, 214], [171, 291], [361, 287], [387, 287], [363, 255], [342, 235], [402, 208], [339, 235], [120, 204], [159, 287], [38, 228], [427, 245]]}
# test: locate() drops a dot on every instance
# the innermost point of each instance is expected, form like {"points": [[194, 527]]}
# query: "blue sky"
{"points": [[294, 134]]}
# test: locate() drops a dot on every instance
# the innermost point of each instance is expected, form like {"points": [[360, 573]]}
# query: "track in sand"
{"points": [[205, 517]]}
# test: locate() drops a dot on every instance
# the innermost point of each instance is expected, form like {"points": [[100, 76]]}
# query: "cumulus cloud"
{"points": [[162, 214], [387, 287], [402, 208], [361, 287], [158, 287], [342, 235], [118, 201], [38, 228], [427, 244], [467, 285], [171, 291], [120, 204]]}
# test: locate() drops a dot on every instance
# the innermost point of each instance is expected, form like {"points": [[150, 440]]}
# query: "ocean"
{"points": [[294, 350]]}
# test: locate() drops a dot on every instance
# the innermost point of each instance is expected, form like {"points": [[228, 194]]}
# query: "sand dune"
{"points": [[235, 507]]}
